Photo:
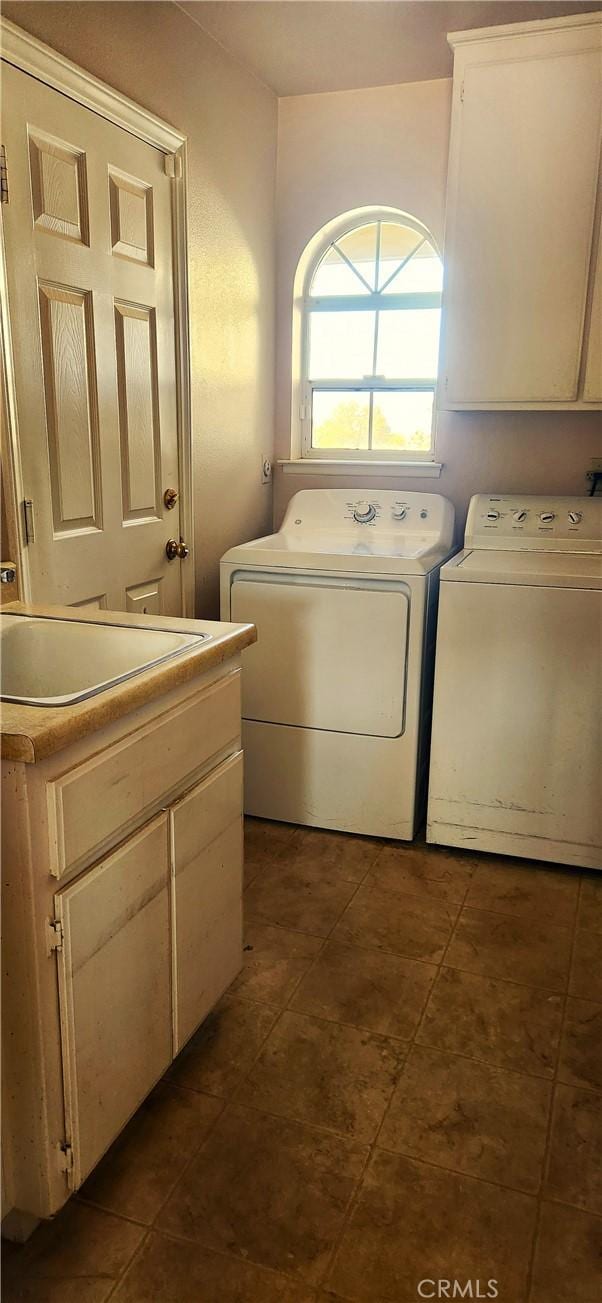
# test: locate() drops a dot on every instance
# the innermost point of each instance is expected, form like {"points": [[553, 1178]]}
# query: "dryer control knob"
{"points": [[519, 516], [546, 517], [363, 512], [398, 512], [575, 517], [492, 514]]}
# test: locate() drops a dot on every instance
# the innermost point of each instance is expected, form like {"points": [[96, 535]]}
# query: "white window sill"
{"points": [[422, 470]]}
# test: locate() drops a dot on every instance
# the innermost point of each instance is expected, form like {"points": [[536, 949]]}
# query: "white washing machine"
{"points": [[337, 690], [515, 756]]}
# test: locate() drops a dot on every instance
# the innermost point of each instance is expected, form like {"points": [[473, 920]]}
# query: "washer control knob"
{"points": [[575, 517], [546, 517], [492, 514], [398, 512], [519, 516], [363, 512]]}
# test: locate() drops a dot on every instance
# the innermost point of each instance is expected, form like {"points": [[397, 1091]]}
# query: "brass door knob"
{"points": [[174, 549]]}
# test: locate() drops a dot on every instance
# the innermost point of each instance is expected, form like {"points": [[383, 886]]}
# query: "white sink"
{"points": [[48, 662]]}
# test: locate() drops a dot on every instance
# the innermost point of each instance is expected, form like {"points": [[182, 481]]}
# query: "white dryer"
{"points": [[337, 690], [515, 757]]}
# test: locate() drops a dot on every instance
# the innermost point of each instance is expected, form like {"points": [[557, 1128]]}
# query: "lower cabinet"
{"points": [[151, 937]]}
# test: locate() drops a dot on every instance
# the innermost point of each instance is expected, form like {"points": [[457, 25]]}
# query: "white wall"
{"points": [[156, 55], [389, 146]]}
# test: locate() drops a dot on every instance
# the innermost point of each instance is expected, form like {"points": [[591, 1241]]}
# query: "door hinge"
{"points": [[55, 935], [462, 93], [173, 165], [3, 176], [28, 521]]}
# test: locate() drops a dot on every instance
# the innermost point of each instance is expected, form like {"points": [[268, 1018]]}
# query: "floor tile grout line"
{"points": [[320, 952], [279, 1272], [457, 1171], [552, 1104], [122, 1275], [420, 1021]]}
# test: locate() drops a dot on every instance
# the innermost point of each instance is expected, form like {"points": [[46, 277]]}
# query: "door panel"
{"points": [[71, 401], [206, 835], [115, 990], [88, 233], [138, 409], [330, 653]]}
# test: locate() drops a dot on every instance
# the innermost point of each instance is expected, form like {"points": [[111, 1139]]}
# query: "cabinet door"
{"points": [[592, 385], [115, 990], [523, 169], [206, 849]]}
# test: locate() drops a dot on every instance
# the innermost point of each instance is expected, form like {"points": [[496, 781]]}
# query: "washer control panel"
{"points": [[535, 523]]}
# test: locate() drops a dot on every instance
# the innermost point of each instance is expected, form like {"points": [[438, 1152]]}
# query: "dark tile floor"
{"points": [[402, 1085]]}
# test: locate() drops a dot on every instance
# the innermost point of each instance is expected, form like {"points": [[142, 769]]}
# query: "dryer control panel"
{"points": [[537, 524], [381, 511]]}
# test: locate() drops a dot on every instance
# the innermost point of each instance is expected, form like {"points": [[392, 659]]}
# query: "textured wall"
{"points": [[153, 53], [389, 146]]}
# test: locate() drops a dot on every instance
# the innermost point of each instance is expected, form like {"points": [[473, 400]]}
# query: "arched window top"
{"points": [[370, 303], [382, 257]]}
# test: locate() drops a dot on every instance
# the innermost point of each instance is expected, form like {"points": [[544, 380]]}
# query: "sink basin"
{"points": [[47, 662]]}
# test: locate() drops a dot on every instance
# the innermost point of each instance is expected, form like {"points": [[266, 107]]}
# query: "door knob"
{"points": [[174, 549]]}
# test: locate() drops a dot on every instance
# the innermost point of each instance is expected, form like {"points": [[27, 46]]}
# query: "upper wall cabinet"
{"points": [[521, 324]]}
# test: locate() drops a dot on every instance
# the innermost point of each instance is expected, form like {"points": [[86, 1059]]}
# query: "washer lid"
{"points": [[552, 569]]}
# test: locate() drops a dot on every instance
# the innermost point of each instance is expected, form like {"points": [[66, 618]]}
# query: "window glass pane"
{"points": [[396, 244], [402, 421], [359, 246], [334, 276], [408, 343], [341, 345], [340, 420], [423, 273]]}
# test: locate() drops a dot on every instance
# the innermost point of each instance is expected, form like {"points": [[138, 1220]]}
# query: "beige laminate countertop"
{"points": [[30, 733]]}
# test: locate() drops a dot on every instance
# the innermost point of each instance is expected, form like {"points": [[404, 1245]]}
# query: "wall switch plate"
{"points": [[266, 470]]}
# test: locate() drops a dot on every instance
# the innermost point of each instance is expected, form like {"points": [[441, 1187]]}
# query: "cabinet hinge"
{"points": [[66, 1161], [3, 176], [173, 165], [55, 934]]}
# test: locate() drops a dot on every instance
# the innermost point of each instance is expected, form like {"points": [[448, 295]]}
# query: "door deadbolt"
{"points": [[174, 549], [170, 497]]}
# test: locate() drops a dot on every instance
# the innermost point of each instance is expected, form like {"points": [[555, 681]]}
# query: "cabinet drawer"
{"points": [[91, 806]]}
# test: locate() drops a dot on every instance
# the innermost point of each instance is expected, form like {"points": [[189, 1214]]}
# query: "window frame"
{"points": [[307, 304]]}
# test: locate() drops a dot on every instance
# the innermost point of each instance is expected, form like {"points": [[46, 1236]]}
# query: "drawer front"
{"points": [[206, 849], [91, 806]]}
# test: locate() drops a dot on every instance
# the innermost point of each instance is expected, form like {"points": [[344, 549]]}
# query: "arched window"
{"points": [[371, 310]]}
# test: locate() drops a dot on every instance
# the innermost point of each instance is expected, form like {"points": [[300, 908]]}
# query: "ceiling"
{"points": [[299, 47]]}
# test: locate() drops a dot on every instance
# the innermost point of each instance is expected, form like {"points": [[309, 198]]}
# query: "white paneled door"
{"points": [[88, 233]]}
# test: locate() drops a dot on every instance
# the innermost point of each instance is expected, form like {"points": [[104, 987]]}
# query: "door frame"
{"points": [[48, 66]]}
